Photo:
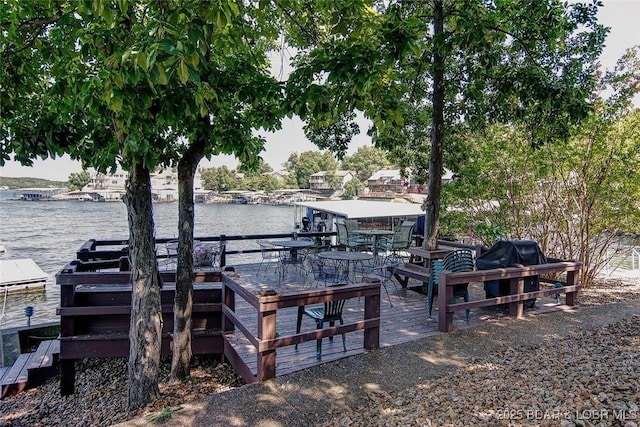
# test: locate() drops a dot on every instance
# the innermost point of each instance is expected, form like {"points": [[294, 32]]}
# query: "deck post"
{"points": [[67, 376], [67, 366], [445, 297], [571, 298], [516, 286], [267, 358], [371, 311], [229, 299], [223, 251]]}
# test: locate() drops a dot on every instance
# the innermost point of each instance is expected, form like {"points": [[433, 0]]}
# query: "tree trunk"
{"points": [[432, 220], [146, 316], [181, 361]]}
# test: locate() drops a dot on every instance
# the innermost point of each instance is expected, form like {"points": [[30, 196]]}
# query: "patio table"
{"points": [[374, 234], [345, 259], [292, 246]]}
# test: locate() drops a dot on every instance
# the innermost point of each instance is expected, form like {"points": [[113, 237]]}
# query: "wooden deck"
{"points": [[403, 317], [250, 318]]}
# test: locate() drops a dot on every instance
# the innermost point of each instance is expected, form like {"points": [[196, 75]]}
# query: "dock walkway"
{"points": [[30, 369]]}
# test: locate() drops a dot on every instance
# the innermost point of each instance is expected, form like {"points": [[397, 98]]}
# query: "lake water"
{"points": [[50, 233]]}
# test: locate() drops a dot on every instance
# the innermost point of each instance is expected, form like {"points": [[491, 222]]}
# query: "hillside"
{"points": [[25, 182]]}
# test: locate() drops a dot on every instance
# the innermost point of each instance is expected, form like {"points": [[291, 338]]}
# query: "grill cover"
{"points": [[506, 253]]}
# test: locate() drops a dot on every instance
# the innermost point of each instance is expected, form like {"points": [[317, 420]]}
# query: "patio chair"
{"points": [[455, 261], [170, 258], [382, 271], [400, 240], [350, 241], [286, 260], [331, 312], [207, 256], [270, 255]]}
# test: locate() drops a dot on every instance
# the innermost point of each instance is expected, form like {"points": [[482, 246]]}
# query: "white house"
{"points": [[164, 185], [325, 180]]}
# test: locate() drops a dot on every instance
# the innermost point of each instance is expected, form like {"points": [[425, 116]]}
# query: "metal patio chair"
{"points": [[320, 271], [270, 255], [330, 312], [382, 271], [350, 241], [400, 240]]}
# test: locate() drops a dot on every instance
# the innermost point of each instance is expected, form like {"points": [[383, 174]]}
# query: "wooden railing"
{"points": [[517, 296], [93, 250], [95, 312], [266, 342]]}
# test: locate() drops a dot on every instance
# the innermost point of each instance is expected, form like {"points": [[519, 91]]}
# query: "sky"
{"points": [[620, 15]]}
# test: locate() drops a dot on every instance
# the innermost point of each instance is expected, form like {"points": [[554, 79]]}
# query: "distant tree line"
{"points": [[26, 182], [299, 167]]}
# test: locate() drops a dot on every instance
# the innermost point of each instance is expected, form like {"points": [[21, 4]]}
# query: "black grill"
{"points": [[507, 253]]}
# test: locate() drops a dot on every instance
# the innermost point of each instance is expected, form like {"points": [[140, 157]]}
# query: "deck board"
{"points": [[43, 356], [18, 372], [403, 318]]}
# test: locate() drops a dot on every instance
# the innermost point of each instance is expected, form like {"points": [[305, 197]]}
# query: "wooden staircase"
{"points": [[30, 369]]}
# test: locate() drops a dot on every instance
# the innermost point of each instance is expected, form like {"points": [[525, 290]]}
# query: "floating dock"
{"points": [[21, 274]]}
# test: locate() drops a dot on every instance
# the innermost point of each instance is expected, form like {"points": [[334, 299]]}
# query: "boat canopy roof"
{"points": [[353, 209]]}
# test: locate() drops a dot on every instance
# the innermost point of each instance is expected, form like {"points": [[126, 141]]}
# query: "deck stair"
{"points": [[30, 369]]}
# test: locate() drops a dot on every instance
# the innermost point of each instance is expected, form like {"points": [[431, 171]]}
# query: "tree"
{"points": [[82, 95], [422, 70], [263, 182], [334, 136], [218, 179], [365, 161], [575, 199], [128, 83], [352, 188], [77, 181], [231, 93], [289, 181]]}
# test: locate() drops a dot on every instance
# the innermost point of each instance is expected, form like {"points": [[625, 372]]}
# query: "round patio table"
{"points": [[345, 259], [293, 245]]}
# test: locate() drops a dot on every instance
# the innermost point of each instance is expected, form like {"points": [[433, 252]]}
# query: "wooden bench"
{"points": [[407, 271], [421, 259], [517, 296]]}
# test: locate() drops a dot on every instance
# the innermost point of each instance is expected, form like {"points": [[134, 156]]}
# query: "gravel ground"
{"points": [[591, 378]]}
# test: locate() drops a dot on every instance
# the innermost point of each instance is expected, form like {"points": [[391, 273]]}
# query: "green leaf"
{"points": [[204, 111], [141, 60], [194, 77], [162, 76], [117, 79], [194, 58], [168, 47], [115, 103], [183, 71]]}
